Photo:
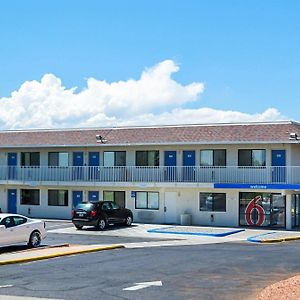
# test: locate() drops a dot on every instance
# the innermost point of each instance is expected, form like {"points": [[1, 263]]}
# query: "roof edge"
{"points": [[149, 126]]}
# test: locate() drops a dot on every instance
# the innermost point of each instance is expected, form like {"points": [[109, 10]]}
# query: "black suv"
{"points": [[100, 214]]}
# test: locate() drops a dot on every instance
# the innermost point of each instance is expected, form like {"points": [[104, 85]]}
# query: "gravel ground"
{"points": [[288, 289]]}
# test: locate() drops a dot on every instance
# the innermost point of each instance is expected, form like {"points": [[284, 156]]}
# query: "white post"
{"points": [[288, 210]]}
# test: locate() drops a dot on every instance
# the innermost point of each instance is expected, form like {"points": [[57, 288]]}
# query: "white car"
{"points": [[16, 229]]}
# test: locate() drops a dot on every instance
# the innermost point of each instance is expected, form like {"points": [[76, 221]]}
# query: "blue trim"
{"points": [[279, 186], [254, 239], [159, 230]]}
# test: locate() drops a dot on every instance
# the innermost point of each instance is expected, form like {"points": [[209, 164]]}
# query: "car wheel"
{"points": [[128, 221], [78, 227], [101, 224], [35, 239]]}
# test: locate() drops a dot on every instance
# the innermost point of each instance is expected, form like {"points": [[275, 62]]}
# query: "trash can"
{"points": [[185, 219]]}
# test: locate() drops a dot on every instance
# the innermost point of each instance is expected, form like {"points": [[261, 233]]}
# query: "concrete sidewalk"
{"points": [[51, 252], [255, 235], [258, 235]]}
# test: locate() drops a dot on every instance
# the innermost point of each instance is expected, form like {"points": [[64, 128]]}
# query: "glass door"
{"points": [[262, 210]]}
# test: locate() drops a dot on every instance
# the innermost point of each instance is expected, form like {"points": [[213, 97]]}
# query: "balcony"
{"points": [[196, 174]]}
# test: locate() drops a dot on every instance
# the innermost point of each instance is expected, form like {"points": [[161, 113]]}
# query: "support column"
{"points": [[288, 211]]}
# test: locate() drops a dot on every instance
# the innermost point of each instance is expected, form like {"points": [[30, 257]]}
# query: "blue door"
{"points": [[93, 196], [77, 159], [188, 163], [94, 159], [94, 163], [78, 165], [77, 197], [12, 164], [12, 201], [278, 165], [170, 166]]}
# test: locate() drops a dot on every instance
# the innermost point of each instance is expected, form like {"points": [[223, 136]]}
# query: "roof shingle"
{"points": [[273, 132]]}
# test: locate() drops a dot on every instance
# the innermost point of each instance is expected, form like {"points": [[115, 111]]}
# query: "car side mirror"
{"points": [[2, 227]]}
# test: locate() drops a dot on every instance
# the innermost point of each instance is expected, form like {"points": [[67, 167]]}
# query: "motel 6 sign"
{"points": [[253, 205]]}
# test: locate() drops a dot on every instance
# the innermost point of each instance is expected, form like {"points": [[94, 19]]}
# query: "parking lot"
{"points": [[151, 265]]}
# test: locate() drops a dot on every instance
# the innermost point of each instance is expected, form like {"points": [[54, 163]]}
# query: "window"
{"points": [[114, 158], [213, 157], [19, 220], [213, 202], [30, 159], [59, 159], [262, 209], [30, 197], [116, 196], [57, 197], [248, 157], [147, 200], [147, 158], [8, 222]]}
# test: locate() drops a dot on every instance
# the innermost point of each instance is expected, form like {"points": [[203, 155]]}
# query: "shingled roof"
{"points": [[271, 132]]}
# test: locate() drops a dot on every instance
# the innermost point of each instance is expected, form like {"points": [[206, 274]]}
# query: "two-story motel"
{"points": [[219, 174]]}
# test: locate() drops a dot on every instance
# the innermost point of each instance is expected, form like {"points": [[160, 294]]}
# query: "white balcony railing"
{"points": [[195, 174]]}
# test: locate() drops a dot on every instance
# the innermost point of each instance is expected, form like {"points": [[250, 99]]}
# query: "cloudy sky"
{"points": [[110, 63]]}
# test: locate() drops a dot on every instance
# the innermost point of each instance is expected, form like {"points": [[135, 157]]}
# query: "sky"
{"points": [[93, 63]]}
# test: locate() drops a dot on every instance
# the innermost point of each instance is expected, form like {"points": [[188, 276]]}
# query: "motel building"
{"points": [[245, 174]]}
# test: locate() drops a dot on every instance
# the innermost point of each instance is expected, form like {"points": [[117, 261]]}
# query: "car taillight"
{"points": [[93, 213], [73, 212]]}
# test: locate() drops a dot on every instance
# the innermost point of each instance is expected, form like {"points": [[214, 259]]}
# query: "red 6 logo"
{"points": [[253, 204]]}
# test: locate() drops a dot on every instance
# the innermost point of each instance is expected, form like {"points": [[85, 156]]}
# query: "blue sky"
{"points": [[243, 57]]}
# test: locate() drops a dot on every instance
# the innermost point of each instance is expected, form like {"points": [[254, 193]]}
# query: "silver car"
{"points": [[17, 229]]}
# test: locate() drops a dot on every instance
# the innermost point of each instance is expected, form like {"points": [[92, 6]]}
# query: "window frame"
{"points": [[214, 164], [147, 157], [147, 200], [213, 205], [251, 158], [115, 158], [58, 159], [27, 159], [29, 190], [114, 197], [57, 203]]}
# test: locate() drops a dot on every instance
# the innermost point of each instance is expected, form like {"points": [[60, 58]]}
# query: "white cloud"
{"points": [[47, 103], [202, 115]]}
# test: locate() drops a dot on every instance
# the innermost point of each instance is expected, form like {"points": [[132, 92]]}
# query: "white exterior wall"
{"points": [[43, 210], [295, 155], [187, 200], [3, 199]]}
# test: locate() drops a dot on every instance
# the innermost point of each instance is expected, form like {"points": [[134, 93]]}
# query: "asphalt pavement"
{"points": [[137, 236]]}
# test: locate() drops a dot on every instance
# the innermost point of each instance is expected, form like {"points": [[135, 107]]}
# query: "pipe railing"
{"points": [[193, 174]]}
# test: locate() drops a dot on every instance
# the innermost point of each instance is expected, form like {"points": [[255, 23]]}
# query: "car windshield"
{"points": [[85, 206]]}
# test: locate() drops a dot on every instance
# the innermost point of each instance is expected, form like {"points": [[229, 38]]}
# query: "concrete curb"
{"points": [[59, 254], [257, 239], [286, 239]]}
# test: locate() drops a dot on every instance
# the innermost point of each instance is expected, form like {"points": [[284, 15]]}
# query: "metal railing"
{"points": [[194, 174]]}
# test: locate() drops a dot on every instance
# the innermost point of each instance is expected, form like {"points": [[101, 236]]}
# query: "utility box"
{"points": [[186, 219]]}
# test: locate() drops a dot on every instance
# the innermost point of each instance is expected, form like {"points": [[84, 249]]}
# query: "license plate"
{"points": [[81, 214]]}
